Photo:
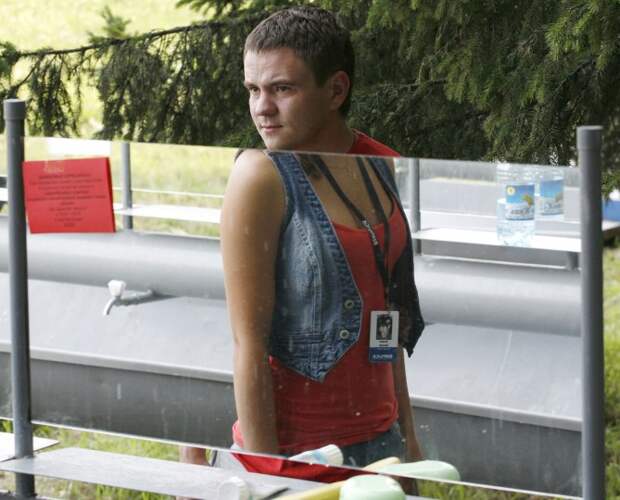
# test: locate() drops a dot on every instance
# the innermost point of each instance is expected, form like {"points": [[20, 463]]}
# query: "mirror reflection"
{"points": [[493, 380]]}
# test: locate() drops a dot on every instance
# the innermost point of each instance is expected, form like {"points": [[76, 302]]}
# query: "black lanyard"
{"points": [[379, 253]]}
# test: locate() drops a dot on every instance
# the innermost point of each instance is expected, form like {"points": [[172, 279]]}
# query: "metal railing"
{"points": [[589, 147]]}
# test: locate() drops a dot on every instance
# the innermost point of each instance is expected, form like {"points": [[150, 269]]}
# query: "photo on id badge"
{"points": [[383, 336]]}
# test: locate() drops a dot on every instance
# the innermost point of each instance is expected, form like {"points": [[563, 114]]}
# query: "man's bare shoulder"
{"points": [[255, 183], [254, 168]]}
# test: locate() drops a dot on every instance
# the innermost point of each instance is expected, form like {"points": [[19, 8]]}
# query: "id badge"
{"points": [[383, 336]]}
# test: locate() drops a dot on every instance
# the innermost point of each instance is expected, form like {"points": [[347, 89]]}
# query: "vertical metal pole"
{"points": [[415, 203], [126, 179], [14, 116], [589, 142]]}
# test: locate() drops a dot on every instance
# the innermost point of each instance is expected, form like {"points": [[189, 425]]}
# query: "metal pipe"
{"points": [[589, 142], [169, 265], [14, 116], [521, 298], [415, 204], [126, 183], [181, 266]]}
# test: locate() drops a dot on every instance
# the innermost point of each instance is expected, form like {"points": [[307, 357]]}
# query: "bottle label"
{"points": [[520, 201], [552, 197]]}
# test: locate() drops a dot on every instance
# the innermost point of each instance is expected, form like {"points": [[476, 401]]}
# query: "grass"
{"points": [[33, 24], [612, 369], [94, 441]]}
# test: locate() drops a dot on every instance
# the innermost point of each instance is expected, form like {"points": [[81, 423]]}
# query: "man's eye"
{"points": [[252, 90], [283, 88]]}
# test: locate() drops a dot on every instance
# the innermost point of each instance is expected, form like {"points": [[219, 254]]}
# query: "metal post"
{"points": [[415, 204], [126, 179], [589, 143], [14, 116]]}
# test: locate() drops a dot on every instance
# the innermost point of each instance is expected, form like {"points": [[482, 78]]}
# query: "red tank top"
{"points": [[356, 401], [365, 145]]}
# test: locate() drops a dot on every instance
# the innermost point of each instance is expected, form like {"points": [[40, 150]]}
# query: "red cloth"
{"points": [[356, 402], [296, 470], [365, 145]]}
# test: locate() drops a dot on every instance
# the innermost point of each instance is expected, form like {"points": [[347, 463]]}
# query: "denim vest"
{"points": [[318, 308]]}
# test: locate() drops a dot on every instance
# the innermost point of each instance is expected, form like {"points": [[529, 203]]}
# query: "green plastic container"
{"points": [[371, 487], [429, 469]]}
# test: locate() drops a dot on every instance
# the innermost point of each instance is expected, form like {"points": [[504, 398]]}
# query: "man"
{"points": [[299, 65], [298, 70]]}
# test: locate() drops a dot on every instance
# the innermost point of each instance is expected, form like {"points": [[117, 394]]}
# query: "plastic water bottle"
{"points": [[327, 455], [550, 193], [515, 204]]}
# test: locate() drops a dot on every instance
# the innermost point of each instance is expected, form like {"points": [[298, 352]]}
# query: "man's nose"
{"points": [[265, 105]]}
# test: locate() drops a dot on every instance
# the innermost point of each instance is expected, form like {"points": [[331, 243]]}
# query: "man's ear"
{"points": [[339, 85]]}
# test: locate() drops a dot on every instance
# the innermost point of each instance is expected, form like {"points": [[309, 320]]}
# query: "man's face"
{"points": [[289, 109]]}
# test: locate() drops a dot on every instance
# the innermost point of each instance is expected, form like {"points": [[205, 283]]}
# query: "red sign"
{"points": [[69, 196]]}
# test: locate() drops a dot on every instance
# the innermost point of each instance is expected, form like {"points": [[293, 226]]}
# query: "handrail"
{"points": [[172, 193]]}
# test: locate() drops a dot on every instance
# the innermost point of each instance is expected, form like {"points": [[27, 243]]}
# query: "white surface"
{"points": [[478, 237], [63, 147], [145, 474], [7, 445], [176, 212]]}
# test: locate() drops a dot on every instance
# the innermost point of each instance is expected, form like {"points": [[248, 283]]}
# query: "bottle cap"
{"points": [[234, 488]]}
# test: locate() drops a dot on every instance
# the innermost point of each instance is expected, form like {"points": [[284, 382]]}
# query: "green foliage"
{"points": [[611, 311], [8, 58], [535, 69], [446, 491], [181, 86], [51, 109], [115, 27], [233, 8], [506, 80]]}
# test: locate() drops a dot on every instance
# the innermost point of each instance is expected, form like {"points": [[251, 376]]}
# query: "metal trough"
{"points": [[495, 379]]}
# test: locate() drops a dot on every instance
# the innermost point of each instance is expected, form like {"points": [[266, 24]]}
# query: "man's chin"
{"points": [[273, 142], [277, 145]]}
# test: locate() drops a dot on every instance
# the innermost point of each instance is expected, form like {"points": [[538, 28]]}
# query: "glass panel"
{"points": [[466, 202], [494, 380]]}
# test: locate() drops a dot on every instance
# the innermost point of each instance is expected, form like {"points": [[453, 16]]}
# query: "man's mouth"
{"points": [[270, 128]]}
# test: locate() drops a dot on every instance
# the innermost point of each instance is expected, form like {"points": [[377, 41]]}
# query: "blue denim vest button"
{"points": [[344, 334], [349, 303]]}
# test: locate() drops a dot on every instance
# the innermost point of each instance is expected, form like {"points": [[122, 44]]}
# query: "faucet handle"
{"points": [[116, 288]]}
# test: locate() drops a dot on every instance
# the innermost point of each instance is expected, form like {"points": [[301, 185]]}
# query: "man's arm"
{"points": [[413, 451], [405, 413], [252, 213]]}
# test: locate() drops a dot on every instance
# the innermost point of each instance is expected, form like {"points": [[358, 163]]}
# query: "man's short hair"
{"points": [[316, 37]]}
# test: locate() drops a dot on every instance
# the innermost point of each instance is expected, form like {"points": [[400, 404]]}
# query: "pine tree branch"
{"points": [[412, 85], [111, 42]]}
